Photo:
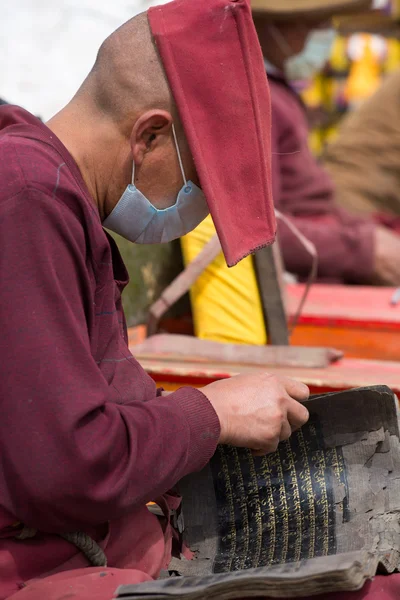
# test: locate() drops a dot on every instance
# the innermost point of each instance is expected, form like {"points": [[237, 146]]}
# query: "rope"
{"points": [[87, 546], [83, 542]]}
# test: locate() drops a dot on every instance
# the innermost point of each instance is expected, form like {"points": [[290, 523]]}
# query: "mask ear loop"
{"points": [[311, 249], [179, 159], [179, 155], [133, 173]]}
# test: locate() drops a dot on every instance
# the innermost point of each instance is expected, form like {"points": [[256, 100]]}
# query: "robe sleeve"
{"points": [[345, 247], [304, 193], [69, 456]]}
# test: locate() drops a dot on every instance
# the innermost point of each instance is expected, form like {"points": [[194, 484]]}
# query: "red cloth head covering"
{"points": [[214, 65]]}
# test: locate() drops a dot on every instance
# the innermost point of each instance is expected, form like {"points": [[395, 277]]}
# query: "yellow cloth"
{"points": [[226, 303]]}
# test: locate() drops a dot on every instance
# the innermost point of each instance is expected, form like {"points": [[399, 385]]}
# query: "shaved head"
{"points": [[122, 116], [128, 77]]}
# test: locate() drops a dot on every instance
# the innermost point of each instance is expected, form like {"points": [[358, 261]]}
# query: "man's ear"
{"points": [[148, 132]]}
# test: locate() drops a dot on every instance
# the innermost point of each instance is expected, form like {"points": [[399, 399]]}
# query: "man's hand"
{"points": [[387, 257], [258, 411]]}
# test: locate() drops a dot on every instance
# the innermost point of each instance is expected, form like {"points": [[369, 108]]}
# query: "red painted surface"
{"points": [[345, 374], [358, 320], [345, 305]]}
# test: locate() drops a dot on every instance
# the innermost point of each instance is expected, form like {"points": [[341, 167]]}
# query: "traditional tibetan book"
{"points": [[320, 514]]}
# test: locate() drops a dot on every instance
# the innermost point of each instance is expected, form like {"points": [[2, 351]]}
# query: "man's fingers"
{"points": [[286, 431], [285, 434], [260, 452], [297, 414], [272, 447], [297, 390]]}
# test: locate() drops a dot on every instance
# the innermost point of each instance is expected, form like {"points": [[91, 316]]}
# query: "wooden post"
{"points": [[269, 270]]}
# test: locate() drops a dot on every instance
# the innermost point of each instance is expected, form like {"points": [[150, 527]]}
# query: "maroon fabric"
{"points": [[100, 584], [85, 441], [81, 584], [389, 221], [213, 62], [304, 191]]}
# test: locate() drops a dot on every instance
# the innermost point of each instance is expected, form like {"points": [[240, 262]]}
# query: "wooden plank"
{"points": [[177, 348]]}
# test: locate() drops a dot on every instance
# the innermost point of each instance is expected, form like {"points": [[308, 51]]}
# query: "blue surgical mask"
{"points": [[313, 58], [136, 219]]}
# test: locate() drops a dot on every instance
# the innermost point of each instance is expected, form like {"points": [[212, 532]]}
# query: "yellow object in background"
{"points": [[312, 95], [392, 62], [365, 72], [226, 303], [315, 141], [339, 60], [357, 67]]}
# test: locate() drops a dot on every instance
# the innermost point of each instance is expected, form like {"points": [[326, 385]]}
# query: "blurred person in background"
{"points": [[296, 44]]}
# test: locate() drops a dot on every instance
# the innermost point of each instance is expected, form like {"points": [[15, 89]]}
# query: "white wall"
{"points": [[48, 46]]}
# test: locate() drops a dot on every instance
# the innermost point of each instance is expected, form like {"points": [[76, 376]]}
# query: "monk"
{"points": [[351, 249], [86, 439]]}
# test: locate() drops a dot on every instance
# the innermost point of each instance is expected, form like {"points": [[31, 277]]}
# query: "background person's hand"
{"points": [[258, 411], [387, 257]]}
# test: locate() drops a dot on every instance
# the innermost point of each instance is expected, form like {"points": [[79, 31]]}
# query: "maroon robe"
{"points": [[85, 439], [304, 191]]}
